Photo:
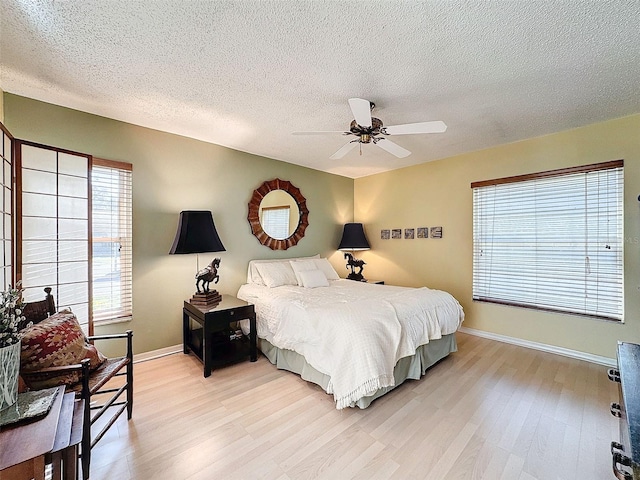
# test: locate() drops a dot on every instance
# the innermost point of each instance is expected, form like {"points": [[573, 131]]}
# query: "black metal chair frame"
{"points": [[91, 383]]}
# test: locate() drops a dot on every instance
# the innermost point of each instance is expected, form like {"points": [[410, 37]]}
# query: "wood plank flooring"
{"points": [[490, 411]]}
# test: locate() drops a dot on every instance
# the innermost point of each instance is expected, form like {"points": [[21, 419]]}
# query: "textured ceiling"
{"points": [[246, 74]]}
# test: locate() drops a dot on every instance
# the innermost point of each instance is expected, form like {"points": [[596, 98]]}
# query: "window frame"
{"points": [[17, 225], [268, 224], [126, 296], [567, 308]]}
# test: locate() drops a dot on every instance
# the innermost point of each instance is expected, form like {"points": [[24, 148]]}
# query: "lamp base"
{"points": [[358, 277], [206, 299]]}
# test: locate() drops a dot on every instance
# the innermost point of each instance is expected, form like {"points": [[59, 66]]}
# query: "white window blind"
{"points": [[552, 241], [275, 222], [111, 240]]}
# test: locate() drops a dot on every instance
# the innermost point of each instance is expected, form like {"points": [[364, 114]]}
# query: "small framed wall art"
{"points": [[408, 233], [385, 234], [396, 233], [436, 232], [423, 232]]}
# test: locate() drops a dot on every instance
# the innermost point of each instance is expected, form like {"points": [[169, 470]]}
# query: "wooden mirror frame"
{"points": [[254, 214]]}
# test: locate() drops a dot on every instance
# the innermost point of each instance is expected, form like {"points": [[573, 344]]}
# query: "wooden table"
{"points": [[25, 448], [64, 455], [213, 322]]}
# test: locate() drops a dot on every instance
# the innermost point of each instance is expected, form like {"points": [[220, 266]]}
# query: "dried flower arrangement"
{"points": [[11, 318]]}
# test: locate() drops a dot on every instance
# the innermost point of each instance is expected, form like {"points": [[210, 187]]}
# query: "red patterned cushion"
{"points": [[55, 342]]}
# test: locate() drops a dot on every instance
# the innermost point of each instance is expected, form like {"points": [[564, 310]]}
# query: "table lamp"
{"points": [[197, 234], [354, 239]]}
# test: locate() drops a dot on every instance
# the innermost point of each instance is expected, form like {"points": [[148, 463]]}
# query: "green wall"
{"points": [[439, 194], [173, 173]]}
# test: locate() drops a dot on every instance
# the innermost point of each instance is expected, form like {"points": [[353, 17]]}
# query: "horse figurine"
{"points": [[207, 275], [352, 263]]}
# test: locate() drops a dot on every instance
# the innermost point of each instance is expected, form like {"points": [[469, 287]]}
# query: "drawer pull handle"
{"points": [[619, 459], [615, 410], [614, 375]]}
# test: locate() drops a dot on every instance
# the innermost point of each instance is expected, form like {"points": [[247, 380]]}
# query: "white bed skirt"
{"points": [[412, 367]]}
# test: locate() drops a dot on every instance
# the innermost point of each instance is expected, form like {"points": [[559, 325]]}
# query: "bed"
{"points": [[356, 340]]}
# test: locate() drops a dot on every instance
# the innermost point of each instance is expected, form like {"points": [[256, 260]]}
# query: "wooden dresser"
{"points": [[626, 454]]}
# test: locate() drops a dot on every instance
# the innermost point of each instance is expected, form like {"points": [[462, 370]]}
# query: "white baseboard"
{"points": [[161, 352], [565, 352]]}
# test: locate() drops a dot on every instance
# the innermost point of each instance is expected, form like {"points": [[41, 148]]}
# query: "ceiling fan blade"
{"points": [[344, 150], [361, 111], [422, 127], [322, 133], [392, 148]]}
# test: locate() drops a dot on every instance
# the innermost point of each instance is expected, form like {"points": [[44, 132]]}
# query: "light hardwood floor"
{"points": [[490, 411]]}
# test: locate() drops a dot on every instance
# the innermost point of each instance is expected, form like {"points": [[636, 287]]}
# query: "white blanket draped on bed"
{"points": [[353, 332]]}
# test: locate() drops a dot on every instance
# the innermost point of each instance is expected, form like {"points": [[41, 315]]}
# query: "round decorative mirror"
{"points": [[278, 214]]}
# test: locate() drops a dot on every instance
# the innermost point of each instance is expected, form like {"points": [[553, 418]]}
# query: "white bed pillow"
{"points": [[276, 274], [302, 266], [321, 264], [253, 276], [313, 279], [326, 268]]}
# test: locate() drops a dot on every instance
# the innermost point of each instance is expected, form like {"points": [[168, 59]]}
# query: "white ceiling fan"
{"points": [[369, 129]]}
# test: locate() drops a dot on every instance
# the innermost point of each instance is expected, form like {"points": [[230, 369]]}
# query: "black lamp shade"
{"points": [[196, 233], [353, 238]]}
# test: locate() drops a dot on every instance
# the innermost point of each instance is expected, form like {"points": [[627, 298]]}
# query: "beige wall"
{"points": [[439, 194], [1, 106], [173, 173]]}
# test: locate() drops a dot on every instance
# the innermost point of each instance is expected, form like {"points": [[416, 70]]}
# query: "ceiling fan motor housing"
{"points": [[365, 133]]}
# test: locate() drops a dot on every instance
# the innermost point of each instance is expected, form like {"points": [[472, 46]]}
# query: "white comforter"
{"points": [[351, 331]]}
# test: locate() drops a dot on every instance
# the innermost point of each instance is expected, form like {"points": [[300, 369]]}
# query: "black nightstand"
{"points": [[210, 341]]}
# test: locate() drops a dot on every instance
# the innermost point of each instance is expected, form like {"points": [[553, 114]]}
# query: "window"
{"points": [[552, 241], [111, 241], [74, 233], [275, 221]]}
